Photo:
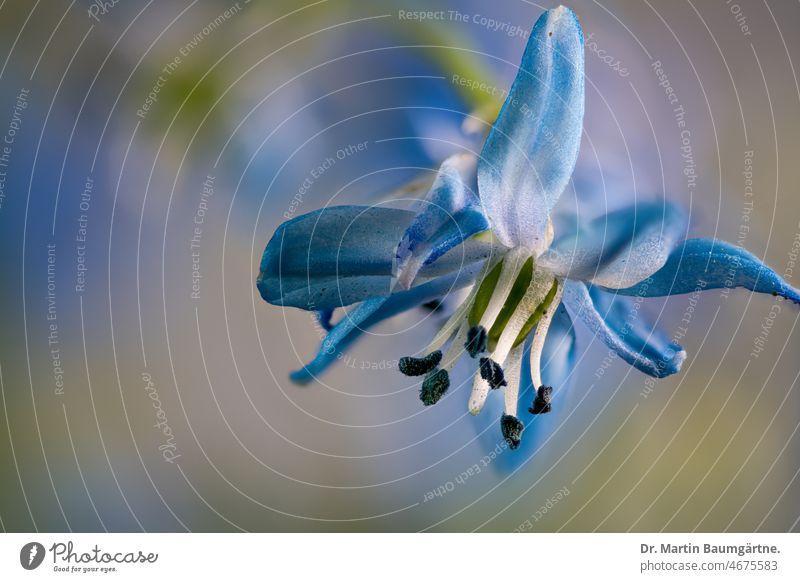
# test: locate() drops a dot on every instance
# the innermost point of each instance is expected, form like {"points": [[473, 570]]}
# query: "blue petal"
{"points": [[620, 248], [375, 310], [324, 317], [530, 152], [332, 257], [449, 215], [623, 317], [349, 327], [341, 255], [701, 263], [621, 329]]}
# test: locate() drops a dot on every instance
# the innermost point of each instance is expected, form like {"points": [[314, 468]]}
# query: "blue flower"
{"points": [[485, 223]]}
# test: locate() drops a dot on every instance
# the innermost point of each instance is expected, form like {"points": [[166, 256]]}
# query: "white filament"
{"points": [[540, 285], [537, 344], [456, 348], [512, 368], [480, 391], [450, 327]]}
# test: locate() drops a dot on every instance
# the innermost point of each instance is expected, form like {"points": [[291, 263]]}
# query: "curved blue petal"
{"points": [[375, 310], [530, 152], [700, 263], [450, 214], [620, 248], [349, 327], [341, 255], [623, 317], [324, 316], [620, 327], [332, 257]]}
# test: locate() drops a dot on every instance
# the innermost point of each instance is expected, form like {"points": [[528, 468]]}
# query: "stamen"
{"points": [[418, 366], [512, 428], [477, 398], [496, 287], [517, 293], [541, 405], [437, 382], [539, 283], [533, 299], [537, 344], [537, 314], [492, 372], [476, 340], [512, 366], [484, 293], [535, 294], [452, 325], [456, 349], [434, 387]]}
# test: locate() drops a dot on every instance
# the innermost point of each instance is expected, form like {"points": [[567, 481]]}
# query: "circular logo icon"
{"points": [[31, 555]]}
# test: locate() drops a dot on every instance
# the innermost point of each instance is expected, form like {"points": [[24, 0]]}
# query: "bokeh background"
{"points": [[120, 321]]}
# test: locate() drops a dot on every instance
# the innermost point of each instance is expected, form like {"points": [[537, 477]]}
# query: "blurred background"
{"points": [[151, 149]]}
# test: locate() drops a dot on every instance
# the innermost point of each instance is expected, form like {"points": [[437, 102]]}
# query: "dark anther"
{"points": [[541, 404], [477, 339], [419, 366], [492, 372], [434, 387], [433, 305], [511, 428]]}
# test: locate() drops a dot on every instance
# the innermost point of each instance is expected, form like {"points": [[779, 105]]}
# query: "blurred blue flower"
{"points": [[486, 222]]}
